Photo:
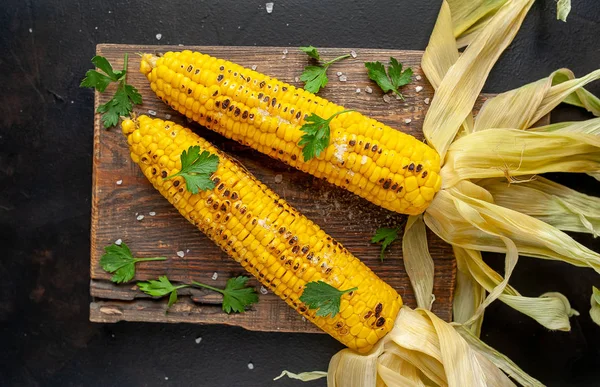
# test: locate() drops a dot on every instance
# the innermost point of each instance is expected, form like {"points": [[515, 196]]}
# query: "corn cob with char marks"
{"points": [[270, 239], [385, 166]]}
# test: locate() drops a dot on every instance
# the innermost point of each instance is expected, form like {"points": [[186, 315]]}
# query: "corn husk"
{"points": [[584, 127], [563, 7], [418, 262], [552, 203], [303, 376], [595, 303], [468, 296]]}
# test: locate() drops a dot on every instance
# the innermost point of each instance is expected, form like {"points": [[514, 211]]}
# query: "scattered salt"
{"points": [[72, 101], [269, 7], [339, 73], [166, 378], [158, 36], [343, 78], [364, 159], [152, 112], [152, 213], [30, 30], [215, 276], [427, 101], [283, 57], [140, 217], [340, 150], [285, 51], [167, 116], [418, 88], [418, 77], [407, 121], [296, 79], [250, 365], [263, 290], [198, 340], [187, 251], [254, 67], [387, 98], [358, 89], [353, 54], [95, 28], [278, 178], [118, 242], [119, 182], [180, 254], [368, 89]]}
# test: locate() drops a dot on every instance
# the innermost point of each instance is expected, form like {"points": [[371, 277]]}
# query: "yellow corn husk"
{"points": [[553, 203], [418, 262], [595, 305], [381, 164], [591, 126], [270, 239]]}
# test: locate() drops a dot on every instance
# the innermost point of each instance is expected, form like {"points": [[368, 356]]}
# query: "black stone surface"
{"points": [[45, 184]]}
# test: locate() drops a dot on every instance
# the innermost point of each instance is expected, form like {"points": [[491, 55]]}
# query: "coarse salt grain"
{"points": [[387, 98], [407, 121], [418, 77], [167, 116], [215, 276], [343, 78], [296, 79], [152, 213], [187, 251], [118, 242], [198, 340], [358, 89], [180, 254], [30, 30], [285, 51], [269, 7], [353, 54], [140, 217], [152, 112], [339, 73], [119, 182], [278, 178], [250, 366], [254, 67], [368, 89], [158, 36], [427, 101], [418, 88], [263, 290]]}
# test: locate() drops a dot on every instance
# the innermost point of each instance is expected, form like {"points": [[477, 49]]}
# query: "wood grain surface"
{"points": [[345, 216]]}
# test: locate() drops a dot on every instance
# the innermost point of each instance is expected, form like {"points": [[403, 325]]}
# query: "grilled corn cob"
{"points": [[270, 239], [387, 167]]}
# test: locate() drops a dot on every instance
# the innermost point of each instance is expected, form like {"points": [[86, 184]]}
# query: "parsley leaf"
{"points": [[236, 295], [324, 297], [161, 288], [395, 77], [118, 259], [315, 77], [386, 236], [317, 136], [126, 95], [196, 169]]}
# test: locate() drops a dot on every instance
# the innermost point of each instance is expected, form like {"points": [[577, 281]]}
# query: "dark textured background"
{"points": [[45, 185]]}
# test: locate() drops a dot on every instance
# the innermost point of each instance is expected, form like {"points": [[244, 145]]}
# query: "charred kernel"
{"points": [[374, 149], [234, 196], [387, 184], [284, 88], [404, 167], [368, 314], [251, 116], [266, 99], [216, 93], [339, 325], [310, 256], [226, 193], [293, 157], [352, 142], [245, 114], [262, 84], [419, 168], [273, 102], [216, 206], [293, 240], [243, 210], [254, 221], [225, 103], [411, 167], [163, 174], [209, 200], [209, 118], [394, 186], [305, 249], [176, 183], [216, 180], [367, 145], [217, 103], [222, 68], [287, 235], [302, 309], [260, 95], [197, 72], [424, 175], [221, 186], [378, 309], [154, 171], [281, 230], [381, 180], [296, 266], [295, 249], [237, 112], [298, 115], [380, 321]]}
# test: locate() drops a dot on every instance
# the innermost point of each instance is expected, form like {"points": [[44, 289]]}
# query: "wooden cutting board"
{"points": [[121, 193]]}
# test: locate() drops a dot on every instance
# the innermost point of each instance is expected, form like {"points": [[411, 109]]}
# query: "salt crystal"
{"points": [[198, 340], [72, 101], [118, 242], [95, 28], [152, 112], [285, 51], [418, 88], [166, 378], [250, 365], [119, 182], [152, 213], [187, 251], [278, 178], [358, 89], [339, 73], [158, 36], [418, 77], [427, 101], [283, 57], [368, 90], [263, 290], [387, 98], [140, 217], [30, 30], [269, 7], [254, 67], [215, 276], [343, 78], [296, 79], [353, 54], [407, 121], [180, 254], [167, 116]]}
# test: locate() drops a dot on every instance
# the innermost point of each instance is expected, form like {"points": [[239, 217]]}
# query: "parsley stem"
{"points": [[150, 259], [208, 287], [326, 64], [338, 113], [125, 67]]}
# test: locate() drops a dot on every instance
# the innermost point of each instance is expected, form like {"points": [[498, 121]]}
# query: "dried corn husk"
{"points": [[303, 376], [417, 261], [584, 127], [553, 203], [563, 7], [595, 302], [468, 295]]}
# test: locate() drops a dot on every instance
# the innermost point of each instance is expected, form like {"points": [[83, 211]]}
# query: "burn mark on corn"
{"points": [[163, 174], [424, 175], [378, 309], [380, 322], [411, 167]]}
